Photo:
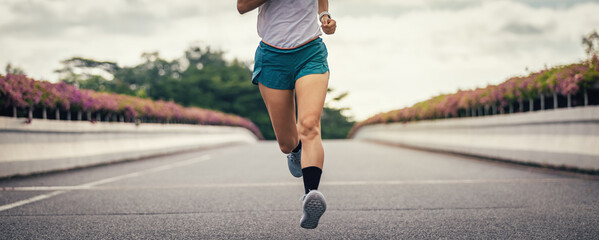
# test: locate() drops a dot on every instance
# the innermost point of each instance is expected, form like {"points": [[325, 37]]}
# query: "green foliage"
{"points": [[10, 69], [590, 43], [200, 78], [335, 125]]}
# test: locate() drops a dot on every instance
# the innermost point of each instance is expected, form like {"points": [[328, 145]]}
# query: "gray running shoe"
{"points": [[314, 206], [294, 160]]}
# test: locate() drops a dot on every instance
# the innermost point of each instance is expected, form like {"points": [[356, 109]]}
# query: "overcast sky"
{"points": [[387, 53]]}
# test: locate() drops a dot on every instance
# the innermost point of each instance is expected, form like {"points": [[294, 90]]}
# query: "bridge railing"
{"points": [[51, 145], [25, 97], [566, 138]]}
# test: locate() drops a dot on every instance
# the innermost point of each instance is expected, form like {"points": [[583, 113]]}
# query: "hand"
{"points": [[328, 25]]}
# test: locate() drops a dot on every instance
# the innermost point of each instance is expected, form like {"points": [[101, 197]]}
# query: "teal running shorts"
{"points": [[280, 68]]}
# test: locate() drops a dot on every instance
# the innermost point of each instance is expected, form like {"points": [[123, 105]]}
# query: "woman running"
{"points": [[291, 61]]}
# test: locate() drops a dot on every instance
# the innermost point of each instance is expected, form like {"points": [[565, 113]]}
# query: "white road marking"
{"points": [[151, 170], [30, 200], [453, 181], [285, 184], [63, 189]]}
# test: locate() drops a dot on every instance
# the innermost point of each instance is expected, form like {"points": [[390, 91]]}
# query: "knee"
{"points": [[309, 127]]}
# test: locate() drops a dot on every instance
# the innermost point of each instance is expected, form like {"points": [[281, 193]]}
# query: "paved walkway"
{"points": [[373, 191]]}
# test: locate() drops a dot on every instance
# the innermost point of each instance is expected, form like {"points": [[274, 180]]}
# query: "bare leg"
{"points": [[281, 109], [311, 92]]}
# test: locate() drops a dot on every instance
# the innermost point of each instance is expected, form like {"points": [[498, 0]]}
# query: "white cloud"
{"points": [[388, 54], [388, 62]]}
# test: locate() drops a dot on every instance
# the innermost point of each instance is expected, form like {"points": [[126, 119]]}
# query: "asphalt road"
{"points": [[246, 192]]}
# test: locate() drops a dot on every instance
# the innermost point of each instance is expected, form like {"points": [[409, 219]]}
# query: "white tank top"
{"points": [[288, 23]]}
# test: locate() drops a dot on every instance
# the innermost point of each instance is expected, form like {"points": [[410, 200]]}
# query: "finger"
{"points": [[333, 28], [328, 30], [332, 22]]}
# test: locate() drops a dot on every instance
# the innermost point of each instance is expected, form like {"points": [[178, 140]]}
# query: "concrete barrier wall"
{"points": [[50, 145], [558, 138]]}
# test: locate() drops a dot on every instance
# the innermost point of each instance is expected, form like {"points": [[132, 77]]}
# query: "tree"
{"points": [[10, 69], [591, 44], [335, 125], [92, 74]]}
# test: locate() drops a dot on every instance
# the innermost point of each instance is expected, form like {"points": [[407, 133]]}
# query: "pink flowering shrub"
{"points": [[22, 92], [19, 91], [562, 80]]}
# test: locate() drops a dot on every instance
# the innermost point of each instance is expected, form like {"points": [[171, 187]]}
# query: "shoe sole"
{"points": [[314, 208]]}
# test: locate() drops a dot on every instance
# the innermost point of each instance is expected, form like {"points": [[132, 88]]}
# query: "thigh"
{"points": [[281, 109], [311, 92]]}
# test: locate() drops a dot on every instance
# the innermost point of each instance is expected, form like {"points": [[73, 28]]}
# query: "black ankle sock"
{"points": [[299, 147], [311, 178]]}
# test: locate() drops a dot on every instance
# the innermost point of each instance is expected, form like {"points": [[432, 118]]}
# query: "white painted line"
{"points": [[286, 184], [46, 188], [455, 181], [216, 185], [64, 189], [151, 170], [30, 200]]}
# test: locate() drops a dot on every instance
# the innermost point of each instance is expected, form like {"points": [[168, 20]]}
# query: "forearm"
{"points": [[323, 6], [244, 6]]}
